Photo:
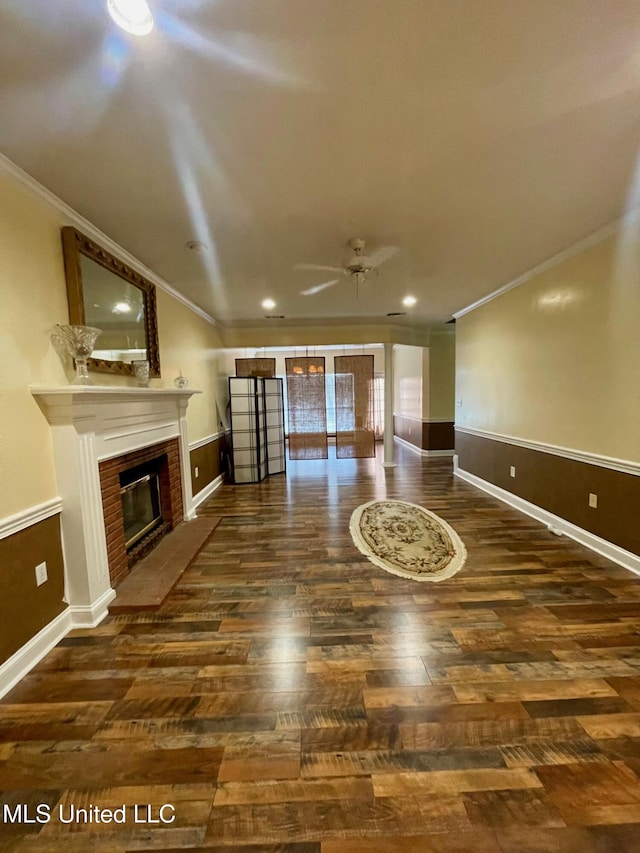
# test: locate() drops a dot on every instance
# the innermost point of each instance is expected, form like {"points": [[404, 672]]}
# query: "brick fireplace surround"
{"points": [[170, 499], [97, 432]]}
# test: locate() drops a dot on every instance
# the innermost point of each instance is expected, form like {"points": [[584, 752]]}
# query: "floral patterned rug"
{"points": [[407, 540]]}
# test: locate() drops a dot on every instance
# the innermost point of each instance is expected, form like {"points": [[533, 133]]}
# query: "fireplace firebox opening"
{"points": [[141, 507]]}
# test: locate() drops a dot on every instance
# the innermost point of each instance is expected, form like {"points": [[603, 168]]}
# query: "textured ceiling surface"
{"points": [[480, 137]]}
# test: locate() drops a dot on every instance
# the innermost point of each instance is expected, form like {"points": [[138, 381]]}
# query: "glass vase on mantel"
{"points": [[78, 342], [141, 372]]}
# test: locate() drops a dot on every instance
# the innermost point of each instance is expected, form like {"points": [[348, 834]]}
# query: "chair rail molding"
{"points": [[201, 442], [626, 466], [27, 517]]}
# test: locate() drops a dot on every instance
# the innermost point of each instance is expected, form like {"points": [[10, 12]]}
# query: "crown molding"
{"points": [[592, 239], [72, 217]]}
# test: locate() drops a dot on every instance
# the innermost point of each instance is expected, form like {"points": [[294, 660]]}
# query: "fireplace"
{"points": [[98, 433]]}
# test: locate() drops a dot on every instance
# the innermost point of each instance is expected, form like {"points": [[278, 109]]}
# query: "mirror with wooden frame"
{"points": [[104, 292]]}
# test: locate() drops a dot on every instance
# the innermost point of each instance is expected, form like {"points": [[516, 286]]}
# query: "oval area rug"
{"points": [[407, 540]]}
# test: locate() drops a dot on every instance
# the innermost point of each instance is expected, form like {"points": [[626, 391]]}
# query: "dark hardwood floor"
{"points": [[290, 697]]}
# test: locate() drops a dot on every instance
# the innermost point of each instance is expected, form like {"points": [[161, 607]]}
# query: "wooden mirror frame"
{"points": [[75, 244]]}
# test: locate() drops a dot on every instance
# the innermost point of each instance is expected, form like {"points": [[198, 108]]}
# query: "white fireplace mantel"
{"points": [[90, 424]]}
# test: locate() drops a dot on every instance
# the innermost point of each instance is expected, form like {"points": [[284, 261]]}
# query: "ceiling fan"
{"points": [[357, 267]]}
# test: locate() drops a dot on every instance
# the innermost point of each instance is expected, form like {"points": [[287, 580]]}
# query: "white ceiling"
{"points": [[479, 136]]}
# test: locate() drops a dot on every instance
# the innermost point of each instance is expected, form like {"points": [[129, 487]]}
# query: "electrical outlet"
{"points": [[41, 573], [197, 471], [512, 471], [593, 501], [458, 402]]}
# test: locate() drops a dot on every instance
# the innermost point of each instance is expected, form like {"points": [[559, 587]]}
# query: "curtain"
{"points": [[354, 406], [307, 408], [265, 367]]}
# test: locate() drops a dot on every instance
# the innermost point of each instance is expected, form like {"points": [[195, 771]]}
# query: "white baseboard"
{"points": [[22, 662], [420, 451], [601, 546], [91, 615], [208, 490]]}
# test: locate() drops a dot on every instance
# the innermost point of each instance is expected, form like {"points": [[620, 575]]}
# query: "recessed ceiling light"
{"points": [[134, 16], [196, 246], [268, 304], [121, 308], [409, 301]]}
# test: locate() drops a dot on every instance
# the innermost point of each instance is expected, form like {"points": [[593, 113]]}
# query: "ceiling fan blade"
{"points": [[317, 267], [313, 290], [382, 254]]}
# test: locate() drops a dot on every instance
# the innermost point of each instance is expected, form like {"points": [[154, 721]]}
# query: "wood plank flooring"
{"points": [[290, 697]]}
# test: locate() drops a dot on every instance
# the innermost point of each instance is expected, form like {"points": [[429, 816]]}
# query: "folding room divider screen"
{"points": [[265, 367], [274, 425], [257, 428], [307, 408], [355, 436]]}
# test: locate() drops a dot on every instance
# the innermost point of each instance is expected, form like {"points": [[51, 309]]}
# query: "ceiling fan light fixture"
{"points": [[356, 268], [133, 16]]}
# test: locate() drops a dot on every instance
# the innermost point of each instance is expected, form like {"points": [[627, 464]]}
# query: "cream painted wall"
{"points": [[32, 300], [441, 376], [190, 344], [407, 381], [557, 359], [426, 361]]}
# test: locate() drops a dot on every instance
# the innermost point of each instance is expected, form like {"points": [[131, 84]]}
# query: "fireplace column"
{"points": [[185, 467], [87, 585]]}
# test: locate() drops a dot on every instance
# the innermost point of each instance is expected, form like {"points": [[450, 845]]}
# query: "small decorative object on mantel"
{"points": [[141, 372], [181, 381], [78, 342]]}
